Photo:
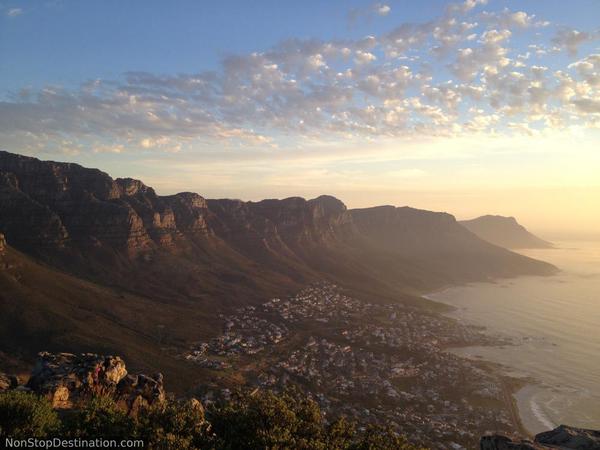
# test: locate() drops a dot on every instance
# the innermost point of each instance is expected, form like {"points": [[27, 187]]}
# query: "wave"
{"points": [[538, 413]]}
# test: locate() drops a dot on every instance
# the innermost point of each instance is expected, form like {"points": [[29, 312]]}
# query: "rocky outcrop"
{"points": [[2, 243], [563, 437], [67, 380], [136, 392]]}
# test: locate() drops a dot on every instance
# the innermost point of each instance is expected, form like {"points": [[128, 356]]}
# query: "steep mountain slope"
{"points": [[504, 232]]}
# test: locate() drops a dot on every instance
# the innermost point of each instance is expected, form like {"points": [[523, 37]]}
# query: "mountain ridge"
{"points": [[83, 221]]}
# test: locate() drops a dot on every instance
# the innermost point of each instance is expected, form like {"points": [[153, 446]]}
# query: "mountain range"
{"points": [[102, 264]]}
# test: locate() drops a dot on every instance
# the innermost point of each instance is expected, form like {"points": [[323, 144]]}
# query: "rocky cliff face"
{"points": [[563, 437], [52, 204]]}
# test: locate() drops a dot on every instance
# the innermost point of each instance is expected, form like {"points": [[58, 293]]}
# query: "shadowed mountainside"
{"points": [[504, 232]]}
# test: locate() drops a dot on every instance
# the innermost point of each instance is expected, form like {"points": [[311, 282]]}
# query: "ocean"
{"points": [[556, 324]]}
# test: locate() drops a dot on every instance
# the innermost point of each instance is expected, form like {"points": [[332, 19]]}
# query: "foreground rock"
{"points": [[563, 437], [68, 380]]}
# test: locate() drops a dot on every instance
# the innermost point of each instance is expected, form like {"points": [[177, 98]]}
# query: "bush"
{"points": [[380, 438], [24, 415], [291, 421], [175, 424], [100, 417], [267, 420], [262, 421]]}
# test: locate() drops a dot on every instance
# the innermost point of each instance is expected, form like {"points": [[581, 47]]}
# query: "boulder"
{"points": [[563, 437], [136, 392], [2, 243], [571, 438]]}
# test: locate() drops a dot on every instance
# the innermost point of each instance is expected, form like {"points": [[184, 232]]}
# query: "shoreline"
{"points": [[512, 387], [533, 415]]}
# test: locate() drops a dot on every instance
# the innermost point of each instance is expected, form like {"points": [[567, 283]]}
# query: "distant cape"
{"points": [[505, 232]]}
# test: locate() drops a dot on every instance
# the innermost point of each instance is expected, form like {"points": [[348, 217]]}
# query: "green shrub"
{"points": [[100, 417], [24, 415], [291, 421], [173, 425], [267, 420], [340, 434], [262, 421], [380, 438]]}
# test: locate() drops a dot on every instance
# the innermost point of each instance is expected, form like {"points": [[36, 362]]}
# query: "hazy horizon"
{"points": [[473, 107]]}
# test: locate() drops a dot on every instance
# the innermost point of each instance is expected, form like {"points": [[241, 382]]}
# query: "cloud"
{"points": [[465, 7], [460, 73], [588, 105], [382, 9], [368, 13], [509, 19], [488, 58], [14, 12], [589, 69], [570, 39], [364, 57]]}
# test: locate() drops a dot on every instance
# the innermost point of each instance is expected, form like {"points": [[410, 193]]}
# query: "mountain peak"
{"points": [[329, 204]]}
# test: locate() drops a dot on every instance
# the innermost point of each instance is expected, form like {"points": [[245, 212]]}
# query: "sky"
{"points": [[471, 107]]}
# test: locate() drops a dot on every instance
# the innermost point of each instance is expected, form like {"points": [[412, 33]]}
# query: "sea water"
{"points": [[555, 322]]}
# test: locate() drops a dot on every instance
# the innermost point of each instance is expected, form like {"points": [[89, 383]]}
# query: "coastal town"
{"points": [[380, 363]]}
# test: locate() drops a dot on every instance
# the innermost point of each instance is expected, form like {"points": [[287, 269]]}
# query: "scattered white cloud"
{"points": [[460, 73]]}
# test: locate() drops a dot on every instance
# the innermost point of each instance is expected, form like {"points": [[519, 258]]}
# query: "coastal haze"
{"points": [[391, 209]]}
